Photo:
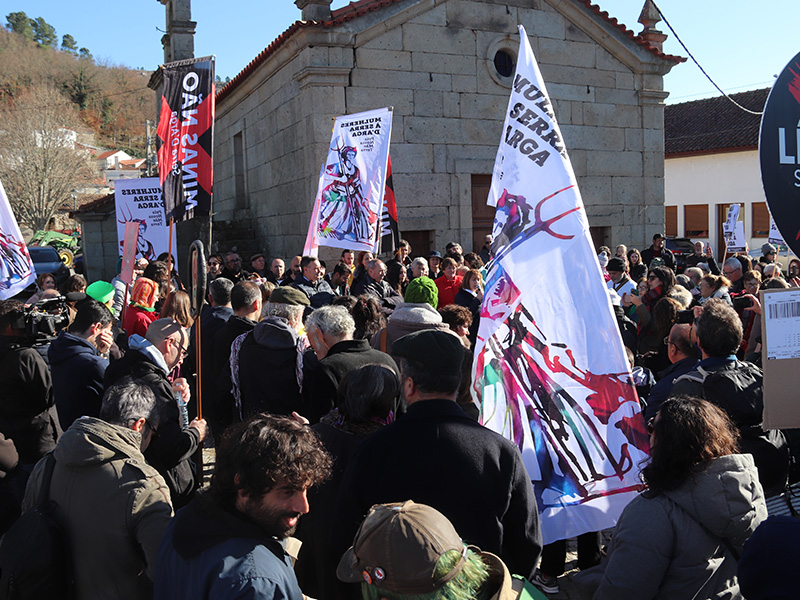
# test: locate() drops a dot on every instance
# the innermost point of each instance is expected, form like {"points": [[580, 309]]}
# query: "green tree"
{"points": [[81, 87], [84, 53], [18, 22], [44, 34], [68, 44]]}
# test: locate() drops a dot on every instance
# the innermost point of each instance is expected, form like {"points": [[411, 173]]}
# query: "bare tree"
{"points": [[39, 163]]}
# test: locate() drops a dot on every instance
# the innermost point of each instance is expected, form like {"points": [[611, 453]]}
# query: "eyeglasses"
{"points": [[726, 273], [184, 350], [667, 342]]}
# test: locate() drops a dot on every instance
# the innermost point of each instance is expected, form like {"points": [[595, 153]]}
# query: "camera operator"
{"points": [[27, 411], [77, 365]]}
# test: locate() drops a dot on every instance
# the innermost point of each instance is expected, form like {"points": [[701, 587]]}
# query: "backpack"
{"points": [[739, 392], [34, 553]]}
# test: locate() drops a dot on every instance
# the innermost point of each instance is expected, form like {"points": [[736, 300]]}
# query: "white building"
{"points": [[711, 151]]}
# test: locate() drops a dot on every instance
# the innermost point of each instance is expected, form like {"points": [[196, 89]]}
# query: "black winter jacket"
{"points": [[77, 370], [171, 450]]}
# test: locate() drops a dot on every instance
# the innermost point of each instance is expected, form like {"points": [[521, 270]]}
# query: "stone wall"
{"points": [[432, 60]]}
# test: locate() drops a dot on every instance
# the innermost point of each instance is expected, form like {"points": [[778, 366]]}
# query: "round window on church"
{"points": [[504, 63], [500, 59]]}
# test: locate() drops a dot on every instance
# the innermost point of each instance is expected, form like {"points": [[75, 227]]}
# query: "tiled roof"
{"points": [[713, 124], [363, 7], [107, 154], [99, 205]]}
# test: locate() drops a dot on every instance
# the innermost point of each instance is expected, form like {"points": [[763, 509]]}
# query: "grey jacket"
{"points": [[115, 508], [673, 545]]}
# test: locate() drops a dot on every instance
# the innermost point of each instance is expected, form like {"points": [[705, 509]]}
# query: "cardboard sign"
{"points": [[129, 251], [780, 324]]}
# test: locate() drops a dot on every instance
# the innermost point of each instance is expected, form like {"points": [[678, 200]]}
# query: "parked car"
{"points": [[682, 248], [46, 260]]}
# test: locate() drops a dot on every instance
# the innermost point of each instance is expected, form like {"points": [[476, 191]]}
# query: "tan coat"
{"points": [[114, 505]]}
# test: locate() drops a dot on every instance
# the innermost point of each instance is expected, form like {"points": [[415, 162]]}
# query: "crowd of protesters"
{"points": [[343, 391]]}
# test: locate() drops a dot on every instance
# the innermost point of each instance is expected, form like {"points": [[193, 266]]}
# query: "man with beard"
{"points": [[229, 542]]}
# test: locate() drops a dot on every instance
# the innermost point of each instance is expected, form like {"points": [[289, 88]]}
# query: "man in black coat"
{"points": [[246, 304], [77, 365], [659, 250], [436, 455], [152, 359], [330, 331], [373, 284], [311, 282], [27, 410]]}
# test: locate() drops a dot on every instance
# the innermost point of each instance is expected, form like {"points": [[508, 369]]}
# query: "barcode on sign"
{"points": [[784, 310]]}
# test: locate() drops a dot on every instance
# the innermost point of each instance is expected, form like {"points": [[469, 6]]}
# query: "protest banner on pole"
{"points": [[16, 266], [389, 238], [550, 369], [352, 182], [141, 201], [185, 137]]}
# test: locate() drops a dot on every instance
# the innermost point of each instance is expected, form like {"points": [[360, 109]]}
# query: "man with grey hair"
{"points": [[152, 359], [266, 364], [330, 332], [771, 270], [113, 505], [373, 284], [732, 269]]}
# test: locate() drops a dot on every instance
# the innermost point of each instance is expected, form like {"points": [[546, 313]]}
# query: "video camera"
{"points": [[41, 321]]}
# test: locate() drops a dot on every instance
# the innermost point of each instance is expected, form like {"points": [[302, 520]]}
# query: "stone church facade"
{"points": [[446, 67]]}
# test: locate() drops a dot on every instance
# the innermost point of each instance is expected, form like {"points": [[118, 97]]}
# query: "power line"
{"points": [[663, 18]]}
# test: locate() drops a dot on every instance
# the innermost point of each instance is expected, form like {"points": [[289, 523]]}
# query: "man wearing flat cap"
{"points": [[407, 549], [439, 456]]}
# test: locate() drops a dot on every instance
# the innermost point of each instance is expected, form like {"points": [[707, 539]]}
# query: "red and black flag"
{"points": [[184, 141], [390, 232]]}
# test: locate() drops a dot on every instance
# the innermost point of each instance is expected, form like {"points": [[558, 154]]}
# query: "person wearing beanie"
{"points": [[618, 274], [141, 311], [409, 550], [422, 289], [103, 292], [407, 318], [769, 253]]}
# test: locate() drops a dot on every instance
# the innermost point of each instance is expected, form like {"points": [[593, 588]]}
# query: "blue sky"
{"points": [[741, 44]]}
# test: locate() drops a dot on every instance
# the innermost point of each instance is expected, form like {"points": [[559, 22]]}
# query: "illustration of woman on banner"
{"points": [[345, 210], [144, 248]]}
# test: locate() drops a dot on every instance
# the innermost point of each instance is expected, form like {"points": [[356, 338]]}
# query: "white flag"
{"points": [[352, 182], [550, 367], [16, 266]]}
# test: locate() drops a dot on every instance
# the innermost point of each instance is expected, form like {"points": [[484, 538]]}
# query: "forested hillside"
{"points": [[114, 102]]}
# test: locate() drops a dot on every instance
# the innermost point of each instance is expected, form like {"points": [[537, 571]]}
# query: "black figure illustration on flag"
{"points": [[184, 141]]}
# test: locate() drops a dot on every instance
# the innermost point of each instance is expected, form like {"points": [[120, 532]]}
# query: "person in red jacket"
{"points": [[449, 283], [141, 311]]}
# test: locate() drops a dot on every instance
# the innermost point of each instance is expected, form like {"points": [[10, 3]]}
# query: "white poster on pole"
{"points": [[141, 201], [352, 182]]}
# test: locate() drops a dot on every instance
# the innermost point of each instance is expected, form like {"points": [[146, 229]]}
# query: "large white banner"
{"points": [[16, 266], [352, 182], [141, 201], [550, 368]]}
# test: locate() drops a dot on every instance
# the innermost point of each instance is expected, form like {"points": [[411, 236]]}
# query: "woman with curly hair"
{"points": [[660, 280], [682, 537]]}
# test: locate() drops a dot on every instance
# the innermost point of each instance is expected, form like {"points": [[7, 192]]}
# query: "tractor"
{"points": [[67, 246]]}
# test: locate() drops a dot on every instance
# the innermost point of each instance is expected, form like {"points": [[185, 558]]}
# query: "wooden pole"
{"points": [[198, 368], [169, 257]]}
